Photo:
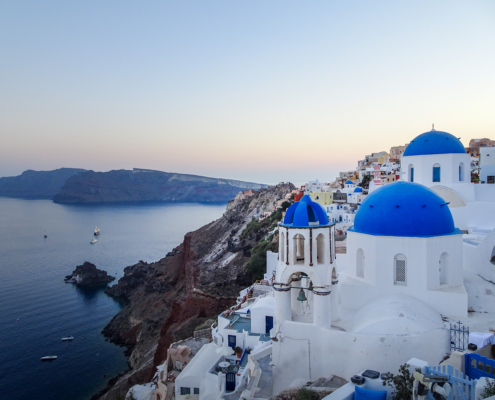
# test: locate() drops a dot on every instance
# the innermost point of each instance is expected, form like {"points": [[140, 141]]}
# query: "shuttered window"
{"points": [[400, 270]]}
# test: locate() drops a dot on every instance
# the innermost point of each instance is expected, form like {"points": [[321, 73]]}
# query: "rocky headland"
{"points": [[166, 300], [88, 275], [36, 184], [142, 185]]}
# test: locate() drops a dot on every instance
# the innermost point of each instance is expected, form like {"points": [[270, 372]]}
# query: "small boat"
{"points": [[64, 339], [97, 231], [45, 235], [48, 358], [93, 241]]}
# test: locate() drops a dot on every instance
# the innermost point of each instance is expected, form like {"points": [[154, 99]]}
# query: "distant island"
{"points": [[36, 184], [74, 186]]}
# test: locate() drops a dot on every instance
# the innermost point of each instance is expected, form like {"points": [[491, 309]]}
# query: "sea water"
{"points": [[37, 308]]}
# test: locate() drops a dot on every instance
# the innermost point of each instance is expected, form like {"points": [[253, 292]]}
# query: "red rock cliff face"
{"points": [[200, 278]]}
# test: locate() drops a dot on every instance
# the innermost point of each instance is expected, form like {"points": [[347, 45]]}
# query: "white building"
{"points": [[356, 196], [215, 370], [487, 164], [313, 186], [438, 158], [439, 161]]}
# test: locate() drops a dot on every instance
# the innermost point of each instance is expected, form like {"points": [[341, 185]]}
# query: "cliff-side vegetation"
{"points": [[256, 266]]}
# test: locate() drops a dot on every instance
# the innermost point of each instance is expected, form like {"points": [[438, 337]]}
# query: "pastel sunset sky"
{"points": [[259, 90]]}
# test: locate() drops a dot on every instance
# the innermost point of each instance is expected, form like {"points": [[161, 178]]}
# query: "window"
{"points": [[320, 249], [411, 173], [196, 390], [461, 172], [299, 248], [436, 173], [282, 247], [360, 263], [184, 391], [400, 271], [490, 179], [443, 269]]}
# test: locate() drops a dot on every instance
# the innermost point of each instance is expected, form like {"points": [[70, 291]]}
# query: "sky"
{"points": [[262, 91]]}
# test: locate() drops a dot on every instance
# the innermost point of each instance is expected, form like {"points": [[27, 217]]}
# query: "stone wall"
{"points": [[203, 334]]}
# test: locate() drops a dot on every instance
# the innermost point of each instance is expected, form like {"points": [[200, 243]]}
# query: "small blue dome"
{"points": [[358, 190], [349, 183], [434, 142], [305, 213], [404, 209]]}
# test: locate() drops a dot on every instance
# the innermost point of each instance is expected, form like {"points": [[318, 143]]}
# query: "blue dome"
{"points": [[434, 142], [349, 183], [305, 213], [358, 190], [404, 209]]}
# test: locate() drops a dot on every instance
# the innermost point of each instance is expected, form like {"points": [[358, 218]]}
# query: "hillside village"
{"points": [[390, 265]]}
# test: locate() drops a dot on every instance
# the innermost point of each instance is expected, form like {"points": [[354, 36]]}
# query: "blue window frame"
{"points": [[436, 174], [412, 174]]}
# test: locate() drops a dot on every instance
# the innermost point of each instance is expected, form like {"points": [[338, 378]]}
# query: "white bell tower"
{"points": [[305, 271]]}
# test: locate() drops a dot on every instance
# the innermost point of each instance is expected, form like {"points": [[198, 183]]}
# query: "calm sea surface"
{"points": [[37, 308]]}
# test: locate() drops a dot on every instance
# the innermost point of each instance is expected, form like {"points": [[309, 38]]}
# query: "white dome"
{"points": [[398, 315]]}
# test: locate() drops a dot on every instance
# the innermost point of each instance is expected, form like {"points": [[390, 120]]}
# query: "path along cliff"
{"points": [[201, 277]]}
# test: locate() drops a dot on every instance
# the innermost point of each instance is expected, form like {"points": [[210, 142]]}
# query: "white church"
{"points": [[383, 301]]}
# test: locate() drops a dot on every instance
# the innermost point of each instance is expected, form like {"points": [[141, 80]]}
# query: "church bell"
{"points": [[302, 296]]}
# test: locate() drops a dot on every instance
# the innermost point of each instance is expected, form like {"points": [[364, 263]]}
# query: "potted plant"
{"points": [[238, 351]]}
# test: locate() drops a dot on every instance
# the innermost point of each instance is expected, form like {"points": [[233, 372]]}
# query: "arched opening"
{"points": [[436, 173], [400, 269], [282, 247], [301, 297], [461, 172], [320, 248], [158, 397], [411, 172], [334, 274], [360, 263], [443, 269], [298, 249], [492, 258]]}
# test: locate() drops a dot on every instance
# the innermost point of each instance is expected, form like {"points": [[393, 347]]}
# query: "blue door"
{"points": [[230, 382], [268, 324], [232, 341]]}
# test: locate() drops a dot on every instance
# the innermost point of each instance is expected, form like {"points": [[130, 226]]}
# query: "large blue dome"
{"points": [[305, 213], [404, 209], [434, 142]]}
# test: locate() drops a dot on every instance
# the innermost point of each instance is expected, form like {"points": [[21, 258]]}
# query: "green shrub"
{"points": [[307, 394], [256, 266], [402, 383], [286, 205], [489, 389], [254, 225]]}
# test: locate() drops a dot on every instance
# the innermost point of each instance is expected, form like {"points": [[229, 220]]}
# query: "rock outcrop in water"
{"points": [[201, 277], [140, 185], [36, 184], [88, 275]]}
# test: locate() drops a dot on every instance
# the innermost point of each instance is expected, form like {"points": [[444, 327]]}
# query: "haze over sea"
{"points": [[37, 308]]}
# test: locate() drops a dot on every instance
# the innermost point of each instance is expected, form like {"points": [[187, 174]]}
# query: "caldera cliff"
{"points": [[142, 185], [201, 277]]}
